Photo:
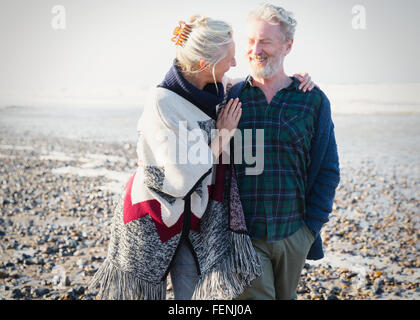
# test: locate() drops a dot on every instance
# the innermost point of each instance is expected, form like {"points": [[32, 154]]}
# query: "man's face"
{"points": [[266, 48]]}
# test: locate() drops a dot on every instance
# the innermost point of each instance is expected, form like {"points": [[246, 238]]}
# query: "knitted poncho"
{"points": [[178, 193]]}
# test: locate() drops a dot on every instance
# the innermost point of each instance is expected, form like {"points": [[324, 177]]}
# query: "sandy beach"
{"points": [[62, 170]]}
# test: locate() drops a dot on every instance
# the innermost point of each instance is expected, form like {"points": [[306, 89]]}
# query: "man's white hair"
{"points": [[276, 16]]}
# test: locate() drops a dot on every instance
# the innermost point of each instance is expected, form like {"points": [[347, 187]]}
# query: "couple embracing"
{"points": [[220, 230]]}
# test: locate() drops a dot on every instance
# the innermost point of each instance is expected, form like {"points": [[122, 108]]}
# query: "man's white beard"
{"points": [[268, 71]]}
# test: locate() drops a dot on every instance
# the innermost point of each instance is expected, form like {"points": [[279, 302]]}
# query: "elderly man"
{"points": [[287, 204]]}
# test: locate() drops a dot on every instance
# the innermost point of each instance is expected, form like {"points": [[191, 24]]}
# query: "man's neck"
{"points": [[270, 86]]}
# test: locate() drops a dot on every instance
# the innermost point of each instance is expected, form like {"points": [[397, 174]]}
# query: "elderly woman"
{"points": [[180, 212]]}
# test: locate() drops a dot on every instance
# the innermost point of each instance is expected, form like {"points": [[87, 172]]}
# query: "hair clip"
{"points": [[181, 33]]}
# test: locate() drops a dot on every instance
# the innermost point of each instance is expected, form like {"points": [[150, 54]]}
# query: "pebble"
{"points": [[17, 294], [40, 292], [335, 290], [81, 263]]}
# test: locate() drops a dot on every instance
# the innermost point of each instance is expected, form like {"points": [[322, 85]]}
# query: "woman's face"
{"points": [[224, 65]]}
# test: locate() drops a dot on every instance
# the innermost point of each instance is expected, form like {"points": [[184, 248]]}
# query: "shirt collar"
{"points": [[293, 86]]}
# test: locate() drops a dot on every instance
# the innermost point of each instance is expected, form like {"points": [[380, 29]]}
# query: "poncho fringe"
{"points": [[228, 278], [119, 285], [225, 280]]}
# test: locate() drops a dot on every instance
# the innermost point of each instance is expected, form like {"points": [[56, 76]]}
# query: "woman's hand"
{"points": [[306, 84], [226, 123], [229, 116]]}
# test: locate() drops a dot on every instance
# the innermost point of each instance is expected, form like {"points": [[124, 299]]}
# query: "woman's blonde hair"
{"points": [[207, 40]]}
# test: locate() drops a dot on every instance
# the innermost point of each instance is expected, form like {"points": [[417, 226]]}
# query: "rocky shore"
{"points": [[57, 197]]}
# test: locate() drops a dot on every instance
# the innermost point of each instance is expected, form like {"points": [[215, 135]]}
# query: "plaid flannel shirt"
{"points": [[274, 201]]}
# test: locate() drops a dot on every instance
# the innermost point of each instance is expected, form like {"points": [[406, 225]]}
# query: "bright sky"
{"points": [[126, 43]]}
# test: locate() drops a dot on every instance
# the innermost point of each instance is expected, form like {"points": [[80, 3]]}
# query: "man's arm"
{"points": [[320, 198]]}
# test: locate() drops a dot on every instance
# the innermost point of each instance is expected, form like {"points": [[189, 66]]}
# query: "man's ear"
{"points": [[289, 46]]}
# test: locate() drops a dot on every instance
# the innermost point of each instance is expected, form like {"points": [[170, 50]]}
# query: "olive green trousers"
{"points": [[282, 262]]}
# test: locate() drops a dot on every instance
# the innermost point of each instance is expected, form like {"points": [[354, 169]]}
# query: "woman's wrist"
{"points": [[220, 141]]}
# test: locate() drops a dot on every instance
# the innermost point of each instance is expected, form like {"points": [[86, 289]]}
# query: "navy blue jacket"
{"points": [[323, 172]]}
